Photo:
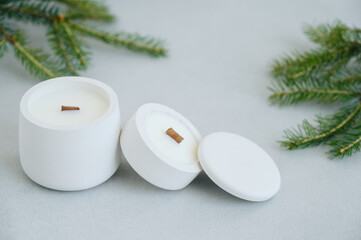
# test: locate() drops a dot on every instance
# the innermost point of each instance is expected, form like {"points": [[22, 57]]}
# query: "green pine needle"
{"points": [[37, 12], [306, 135], [338, 44], [98, 16], [88, 10], [328, 35], [346, 143], [68, 47], [55, 37], [85, 6], [330, 73], [312, 91], [35, 61], [133, 42], [64, 20], [3, 45]]}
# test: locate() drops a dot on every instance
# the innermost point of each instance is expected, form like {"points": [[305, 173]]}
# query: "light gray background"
{"points": [[217, 75]]}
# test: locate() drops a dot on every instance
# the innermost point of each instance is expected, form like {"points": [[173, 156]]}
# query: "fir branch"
{"points": [[89, 16], [329, 73], [2, 41], [318, 62], [71, 52], [67, 46], [312, 91], [307, 135], [132, 42], [85, 6], [328, 35], [348, 81], [346, 143], [36, 12], [35, 61], [46, 11], [339, 45], [32, 60], [75, 44], [55, 36], [3, 46], [87, 10]]}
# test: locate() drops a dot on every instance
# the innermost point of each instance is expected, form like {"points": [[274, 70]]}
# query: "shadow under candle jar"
{"points": [[74, 149]]}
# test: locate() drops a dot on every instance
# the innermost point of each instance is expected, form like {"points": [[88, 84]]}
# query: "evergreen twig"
{"points": [[329, 74], [312, 91], [65, 32], [133, 42], [58, 45], [346, 143], [307, 135]]}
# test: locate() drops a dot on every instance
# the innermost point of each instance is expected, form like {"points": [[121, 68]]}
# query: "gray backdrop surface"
{"points": [[216, 75]]}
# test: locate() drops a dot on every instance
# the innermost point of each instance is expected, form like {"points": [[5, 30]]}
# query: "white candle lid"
{"points": [[239, 166]]}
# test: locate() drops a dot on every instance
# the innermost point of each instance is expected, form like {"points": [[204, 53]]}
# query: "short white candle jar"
{"points": [[69, 150], [153, 154]]}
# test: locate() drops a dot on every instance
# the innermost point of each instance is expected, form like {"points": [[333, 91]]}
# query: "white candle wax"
{"points": [[47, 107], [157, 123]]}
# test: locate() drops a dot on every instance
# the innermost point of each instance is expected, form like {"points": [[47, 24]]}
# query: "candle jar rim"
{"points": [[140, 116], [111, 95]]}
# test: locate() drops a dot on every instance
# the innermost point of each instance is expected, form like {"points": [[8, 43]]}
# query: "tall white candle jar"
{"points": [[73, 149]]}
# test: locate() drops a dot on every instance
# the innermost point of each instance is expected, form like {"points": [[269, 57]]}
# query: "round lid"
{"points": [[239, 166]]}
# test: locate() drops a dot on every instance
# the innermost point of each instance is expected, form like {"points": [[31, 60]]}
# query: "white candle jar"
{"points": [[69, 150], [153, 155]]}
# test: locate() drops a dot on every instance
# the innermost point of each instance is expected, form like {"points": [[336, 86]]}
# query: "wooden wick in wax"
{"points": [[173, 134], [69, 108]]}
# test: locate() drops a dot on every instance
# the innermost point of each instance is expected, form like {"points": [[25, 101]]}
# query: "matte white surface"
{"points": [[239, 166], [217, 76]]}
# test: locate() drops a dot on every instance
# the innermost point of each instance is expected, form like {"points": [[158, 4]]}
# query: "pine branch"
{"points": [[346, 143], [329, 73], [328, 35], [3, 39], [88, 10], [58, 46], [75, 46], [36, 12], [307, 135], [3, 46], [45, 11], [311, 91], [71, 52], [313, 63], [348, 80], [132, 42], [85, 6], [89, 16], [339, 45], [34, 61]]}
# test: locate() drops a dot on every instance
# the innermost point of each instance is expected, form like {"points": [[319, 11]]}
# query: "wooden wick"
{"points": [[69, 108], [173, 134]]}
